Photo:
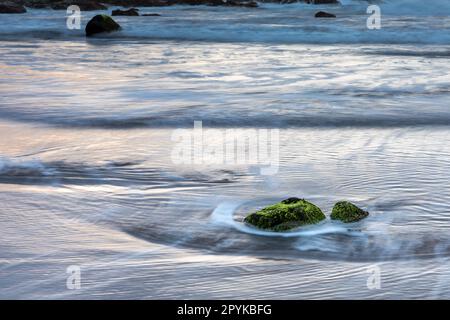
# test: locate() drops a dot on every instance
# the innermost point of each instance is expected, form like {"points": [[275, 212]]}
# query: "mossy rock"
{"points": [[101, 23], [347, 212], [285, 215]]}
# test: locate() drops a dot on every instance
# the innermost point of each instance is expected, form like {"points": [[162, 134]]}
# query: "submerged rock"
{"points": [[322, 14], [347, 212], [101, 23], [151, 15], [129, 12], [10, 7], [287, 214]]}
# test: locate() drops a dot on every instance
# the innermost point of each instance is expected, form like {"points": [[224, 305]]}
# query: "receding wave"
{"points": [[411, 53], [301, 36], [294, 121], [113, 173], [28, 168]]}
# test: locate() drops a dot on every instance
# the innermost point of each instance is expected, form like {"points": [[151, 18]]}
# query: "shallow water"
{"points": [[87, 175]]}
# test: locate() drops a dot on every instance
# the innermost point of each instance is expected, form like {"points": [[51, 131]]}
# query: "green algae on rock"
{"points": [[285, 215], [347, 212]]}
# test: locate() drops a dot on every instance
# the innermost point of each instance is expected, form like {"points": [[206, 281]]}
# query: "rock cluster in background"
{"points": [[12, 7], [18, 6]]}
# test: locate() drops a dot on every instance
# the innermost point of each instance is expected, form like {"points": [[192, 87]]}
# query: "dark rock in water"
{"points": [[101, 23], [197, 2], [285, 215], [251, 4], [248, 4], [226, 3], [155, 3], [215, 3], [322, 14], [85, 5], [188, 2], [347, 212], [323, 1], [11, 7], [36, 4], [151, 15], [129, 12], [138, 3]]}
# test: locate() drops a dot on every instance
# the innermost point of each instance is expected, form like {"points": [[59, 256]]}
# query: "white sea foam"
{"points": [[19, 167]]}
